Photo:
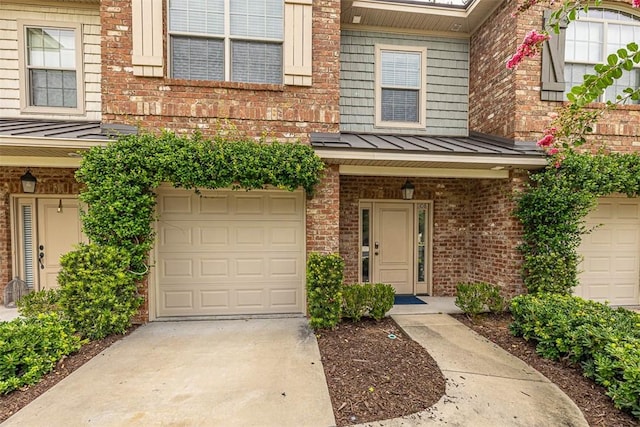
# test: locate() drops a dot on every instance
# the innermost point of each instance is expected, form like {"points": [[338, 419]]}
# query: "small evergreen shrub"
{"points": [[474, 298], [604, 341], [31, 347], [355, 301], [40, 302], [97, 291], [381, 300], [324, 290], [373, 300]]}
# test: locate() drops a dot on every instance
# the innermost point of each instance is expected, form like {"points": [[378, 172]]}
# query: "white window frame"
{"points": [[227, 38], [605, 42], [422, 94], [25, 90]]}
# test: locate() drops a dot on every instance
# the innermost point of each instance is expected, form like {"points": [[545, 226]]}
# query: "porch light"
{"points": [[28, 182], [407, 190]]}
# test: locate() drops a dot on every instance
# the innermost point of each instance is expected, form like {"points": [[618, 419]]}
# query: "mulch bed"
{"points": [[16, 400], [596, 406], [372, 377]]}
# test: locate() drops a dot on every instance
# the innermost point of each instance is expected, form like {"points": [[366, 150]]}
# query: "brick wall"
{"points": [[474, 236], [507, 103], [322, 215], [286, 112], [50, 181], [495, 234], [492, 96]]}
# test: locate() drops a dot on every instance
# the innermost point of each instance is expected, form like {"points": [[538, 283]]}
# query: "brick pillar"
{"points": [[323, 214]]}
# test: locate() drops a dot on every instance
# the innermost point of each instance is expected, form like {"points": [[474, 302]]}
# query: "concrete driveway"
{"points": [[259, 372]]}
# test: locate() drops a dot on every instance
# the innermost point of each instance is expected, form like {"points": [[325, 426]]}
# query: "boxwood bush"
{"points": [[324, 290], [373, 300], [31, 347], [603, 340]]}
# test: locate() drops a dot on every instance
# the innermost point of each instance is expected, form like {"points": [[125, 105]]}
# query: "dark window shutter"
{"points": [[552, 85]]}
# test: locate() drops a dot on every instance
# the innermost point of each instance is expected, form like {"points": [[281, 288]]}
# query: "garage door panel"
{"points": [[175, 204], [214, 268], [611, 267], [241, 253], [177, 268], [216, 205]]}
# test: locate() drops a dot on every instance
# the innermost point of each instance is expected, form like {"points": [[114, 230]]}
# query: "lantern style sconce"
{"points": [[407, 190], [28, 182]]}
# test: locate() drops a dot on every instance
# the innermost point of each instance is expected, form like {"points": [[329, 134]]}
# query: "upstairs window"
{"points": [[400, 86], [227, 40], [591, 38], [51, 65]]}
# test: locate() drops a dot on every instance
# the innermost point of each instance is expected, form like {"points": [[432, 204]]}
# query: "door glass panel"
{"points": [[364, 244], [421, 239], [27, 247]]}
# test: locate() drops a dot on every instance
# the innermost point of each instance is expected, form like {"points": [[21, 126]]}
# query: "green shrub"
{"points": [[603, 340], [34, 303], [355, 301], [97, 292], [374, 300], [324, 290], [474, 298], [381, 300], [31, 347]]}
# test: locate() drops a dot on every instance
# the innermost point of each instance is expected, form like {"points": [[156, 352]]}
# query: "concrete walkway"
{"points": [[267, 372], [264, 372], [486, 386]]}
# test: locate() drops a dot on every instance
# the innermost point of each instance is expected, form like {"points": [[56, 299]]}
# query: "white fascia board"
{"points": [[431, 158], [44, 162], [43, 142], [417, 8], [357, 170]]}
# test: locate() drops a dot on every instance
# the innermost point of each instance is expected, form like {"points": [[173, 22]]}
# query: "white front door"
{"points": [[59, 230], [392, 246]]}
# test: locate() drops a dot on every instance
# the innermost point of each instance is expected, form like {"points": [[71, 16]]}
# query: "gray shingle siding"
{"points": [[447, 78]]}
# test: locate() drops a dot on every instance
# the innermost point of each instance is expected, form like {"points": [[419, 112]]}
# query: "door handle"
{"points": [[40, 258], [376, 245]]}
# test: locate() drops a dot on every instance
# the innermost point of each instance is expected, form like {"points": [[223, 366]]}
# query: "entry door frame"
{"points": [[17, 226], [423, 287]]}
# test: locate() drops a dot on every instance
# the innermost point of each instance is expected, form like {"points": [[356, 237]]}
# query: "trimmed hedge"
{"points": [[603, 340], [373, 300], [324, 290], [31, 347]]}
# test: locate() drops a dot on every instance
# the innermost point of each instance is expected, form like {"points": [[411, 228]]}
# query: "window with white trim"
{"points": [[591, 38], [52, 67], [227, 40], [400, 86]]}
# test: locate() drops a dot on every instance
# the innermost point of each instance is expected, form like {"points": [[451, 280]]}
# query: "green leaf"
{"points": [[627, 65], [633, 47], [622, 53], [612, 59]]}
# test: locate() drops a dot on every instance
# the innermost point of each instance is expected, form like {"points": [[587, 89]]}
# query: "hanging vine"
{"points": [[120, 179], [553, 207]]}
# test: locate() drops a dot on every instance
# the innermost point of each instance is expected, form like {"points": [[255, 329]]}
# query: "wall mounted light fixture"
{"points": [[407, 190], [60, 206], [28, 182]]}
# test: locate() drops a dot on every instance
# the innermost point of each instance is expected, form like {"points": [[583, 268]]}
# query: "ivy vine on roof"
{"points": [[552, 209], [120, 179]]}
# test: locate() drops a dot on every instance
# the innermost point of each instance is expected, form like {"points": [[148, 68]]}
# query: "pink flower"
{"points": [[530, 46], [636, 3], [553, 151], [546, 141]]}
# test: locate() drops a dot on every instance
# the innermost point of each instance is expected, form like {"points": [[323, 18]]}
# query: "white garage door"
{"points": [[230, 252], [611, 266]]}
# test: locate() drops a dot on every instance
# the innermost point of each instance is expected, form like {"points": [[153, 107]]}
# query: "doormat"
{"points": [[407, 299]]}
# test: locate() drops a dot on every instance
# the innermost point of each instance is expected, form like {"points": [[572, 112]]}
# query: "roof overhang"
{"points": [[47, 143], [417, 16], [474, 156]]}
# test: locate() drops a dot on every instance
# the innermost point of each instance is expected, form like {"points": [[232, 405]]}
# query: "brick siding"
{"points": [[507, 103], [284, 112]]}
